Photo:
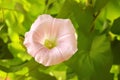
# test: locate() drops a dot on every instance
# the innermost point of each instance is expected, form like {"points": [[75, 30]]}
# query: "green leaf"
{"points": [[102, 58], [12, 68], [115, 46], [36, 7], [116, 26], [28, 64], [99, 4], [103, 27], [71, 75], [34, 71], [14, 21], [40, 75], [93, 63], [66, 9], [82, 15], [54, 7], [110, 12]]}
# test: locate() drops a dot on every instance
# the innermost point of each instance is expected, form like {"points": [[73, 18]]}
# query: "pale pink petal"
{"points": [[42, 56], [47, 27], [32, 43], [67, 45], [49, 57], [64, 27], [65, 49], [42, 19], [55, 57]]}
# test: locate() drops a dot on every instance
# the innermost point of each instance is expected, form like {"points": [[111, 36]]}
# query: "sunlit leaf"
{"points": [[40, 75], [37, 7], [7, 4]]}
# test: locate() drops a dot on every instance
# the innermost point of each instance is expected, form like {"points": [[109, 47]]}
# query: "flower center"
{"points": [[49, 43]]}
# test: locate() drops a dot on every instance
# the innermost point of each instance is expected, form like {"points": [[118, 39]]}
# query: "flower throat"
{"points": [[49, 43]]}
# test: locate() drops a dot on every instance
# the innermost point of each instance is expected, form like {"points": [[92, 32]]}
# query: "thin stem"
{"points": [[93, 22], [46, 7], [2, 15]]}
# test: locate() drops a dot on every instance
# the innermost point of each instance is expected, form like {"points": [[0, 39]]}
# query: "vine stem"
{"points": [[93, 22]]}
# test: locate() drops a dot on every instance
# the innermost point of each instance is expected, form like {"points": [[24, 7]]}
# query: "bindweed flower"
{"points": [[50, 40]]}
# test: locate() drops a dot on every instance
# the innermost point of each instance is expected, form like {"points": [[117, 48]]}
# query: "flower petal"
{"points": [[32, 43], [67, 45], [49, 57], [64, 27], [42, 19], [42, 56], [59, 30], [65, 49]]}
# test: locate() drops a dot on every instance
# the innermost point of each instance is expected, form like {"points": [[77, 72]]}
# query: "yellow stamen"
{"points": [[49, 43]]}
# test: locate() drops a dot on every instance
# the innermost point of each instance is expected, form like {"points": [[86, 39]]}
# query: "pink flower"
{"points": [[50, 40]]}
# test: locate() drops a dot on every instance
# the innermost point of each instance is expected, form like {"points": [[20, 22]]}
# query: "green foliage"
{"points": [[97, 24], [115, 44], [116, 26], [98, 5], [4, 51], [93, 63]]}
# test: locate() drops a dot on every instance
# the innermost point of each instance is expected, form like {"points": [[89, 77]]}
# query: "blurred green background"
{"points": [[97, 24]]}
